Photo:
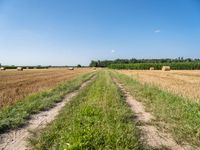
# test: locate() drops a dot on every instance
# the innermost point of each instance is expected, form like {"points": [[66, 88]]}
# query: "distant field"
{"points": [[184, 83], [104, 109], [15, 85]]}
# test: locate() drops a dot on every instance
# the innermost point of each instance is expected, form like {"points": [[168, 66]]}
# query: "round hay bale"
{"points": [[151, 68], [166, 68], [19, 69], [3, 68], [71, 68]]}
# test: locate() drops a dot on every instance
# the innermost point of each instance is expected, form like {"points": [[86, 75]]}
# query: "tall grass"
{"points": [[98, 118], [17, 114], [175, 114]]}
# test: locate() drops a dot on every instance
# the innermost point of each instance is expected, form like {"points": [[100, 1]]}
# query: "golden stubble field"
{"points": [[184, 83], [15, 85]]}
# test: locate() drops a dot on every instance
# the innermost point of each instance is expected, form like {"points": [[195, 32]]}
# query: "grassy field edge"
{"points": [[174, 114], [16, 115], [98, 118]]}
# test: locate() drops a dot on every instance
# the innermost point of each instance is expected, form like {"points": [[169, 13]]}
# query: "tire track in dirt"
{"points": [[17, 139], [150, 135]]}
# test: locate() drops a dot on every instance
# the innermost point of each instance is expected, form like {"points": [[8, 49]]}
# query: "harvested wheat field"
{"points": [[15, 85], [99, 74], [185, 83]]}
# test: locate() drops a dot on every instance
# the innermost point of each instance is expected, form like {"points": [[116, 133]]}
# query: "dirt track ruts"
{"points": [[150, 135], [17, 139]]}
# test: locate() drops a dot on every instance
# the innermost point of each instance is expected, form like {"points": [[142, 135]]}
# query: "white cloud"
{"points": [[113, 51], [157, 31]]}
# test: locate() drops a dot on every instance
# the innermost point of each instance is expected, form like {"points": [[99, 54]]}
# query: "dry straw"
{"points": [[2, 68], [19, 68], [151, 68], [71, 68], [166, 68]]}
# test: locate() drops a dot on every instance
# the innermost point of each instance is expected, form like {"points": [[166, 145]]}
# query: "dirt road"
{"points": [[17, 139], [150, 135]]}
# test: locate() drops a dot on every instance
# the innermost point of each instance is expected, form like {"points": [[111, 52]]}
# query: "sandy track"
{"points": [[150, 135], [17, 139]]}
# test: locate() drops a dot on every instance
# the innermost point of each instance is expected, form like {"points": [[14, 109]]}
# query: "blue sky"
{"points": [[71, 32]]}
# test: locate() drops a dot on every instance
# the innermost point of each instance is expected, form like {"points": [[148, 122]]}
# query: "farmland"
{"points": [[15, 85], [184, 83], [100, 75], [107, 109], [158, 66], [97, 118], [172, 113]]}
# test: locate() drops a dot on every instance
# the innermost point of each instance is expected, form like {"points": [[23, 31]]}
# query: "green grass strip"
{"points": [[181, 117], [16, 115], [98, 118]]}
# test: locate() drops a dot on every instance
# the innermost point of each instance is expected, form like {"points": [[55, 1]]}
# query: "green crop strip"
{"points": [[158, 66], [16, 115], [98, 118]]}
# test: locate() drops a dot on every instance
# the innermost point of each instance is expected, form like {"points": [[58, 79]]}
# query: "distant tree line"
{"points": [[145, 64], [38, 66], [24, 67], [106, 63], [158, 66]]}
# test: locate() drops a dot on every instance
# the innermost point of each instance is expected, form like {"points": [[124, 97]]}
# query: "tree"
{"points": [[78, 66]]}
